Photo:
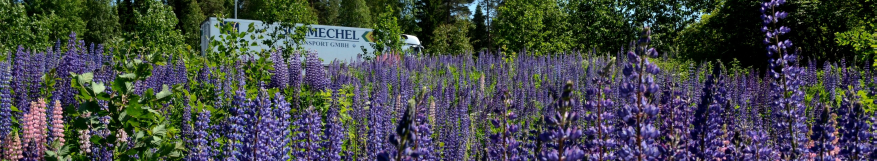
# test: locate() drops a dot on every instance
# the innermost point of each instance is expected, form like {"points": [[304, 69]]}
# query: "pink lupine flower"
{"points": [[58, 123], [12, 148], [35, 127], [84, 137]]}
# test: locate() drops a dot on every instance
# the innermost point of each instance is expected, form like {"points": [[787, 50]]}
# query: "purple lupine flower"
{"points": [[265, 136], [334, 132], [873, 133], [787, 97], [294, 67], [281, 140], [828, 79], [698, 147], [378, 123], [186, 129], [425, 149], [404, 139], [200, 150], [308, 135], [600, 106], [315, 74], [280, 77], [637, 133], [5, 102], [718, 136], [562, 133], [852, 128], [237, 124], [824, 146], [19, 80], [70, 63], [504, 146], [677, 117]]}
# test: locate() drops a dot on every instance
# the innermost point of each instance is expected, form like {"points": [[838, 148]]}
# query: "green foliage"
{"points": [[816, 23], [212, 8], [537, 26], [863, 41], [355, 13], [18, 28], [451, 39], [190, 23], [429, 16], [102, 22], [387, 33], [136, 115], [479, 33], [155, 30], [231, 44], [64, 16], [730, 31], [329, 11], [407, 17], [667, 18], [598, 24], [287, 13]]}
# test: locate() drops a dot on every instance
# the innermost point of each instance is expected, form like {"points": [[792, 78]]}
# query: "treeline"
{"points": [[692, 29]]}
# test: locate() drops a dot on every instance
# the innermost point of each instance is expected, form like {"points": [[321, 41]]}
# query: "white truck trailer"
{"points": [[331, 42]]}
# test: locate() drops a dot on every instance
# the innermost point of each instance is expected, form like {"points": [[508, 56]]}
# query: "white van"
{"points": [[331, 42]]}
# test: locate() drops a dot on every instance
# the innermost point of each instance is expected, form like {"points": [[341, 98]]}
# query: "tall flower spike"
{"points": [[315, 75], [638, 114], [824, 140], [85, 136], [57, 127], [281, 142], [562, 132], [333, 132], [34, 128], [5, 102], [280, 79], [787, 96], [200, 150], [12, 148], [308, 135]]}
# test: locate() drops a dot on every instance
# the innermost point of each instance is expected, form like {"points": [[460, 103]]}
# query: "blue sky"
{"points": [[472, 8]]}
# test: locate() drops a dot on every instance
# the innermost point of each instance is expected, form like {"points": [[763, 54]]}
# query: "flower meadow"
{"points": [[87, 102]]}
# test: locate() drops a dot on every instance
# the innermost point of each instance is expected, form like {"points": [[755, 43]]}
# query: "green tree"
{"points": [[65, 16], [490, 13], [211, 8], [429, 16], [451, 39], [863, 39], [103, 22], [479, 33], [190, 16], [355, 13], [665, 17], [17, 28], [387, 33], [287, 13], [814, 24], [598, 24], [537, 26], [155, 29], [328, 11], [249, 9], [125, 9], [407, 17], [732, 30]]}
